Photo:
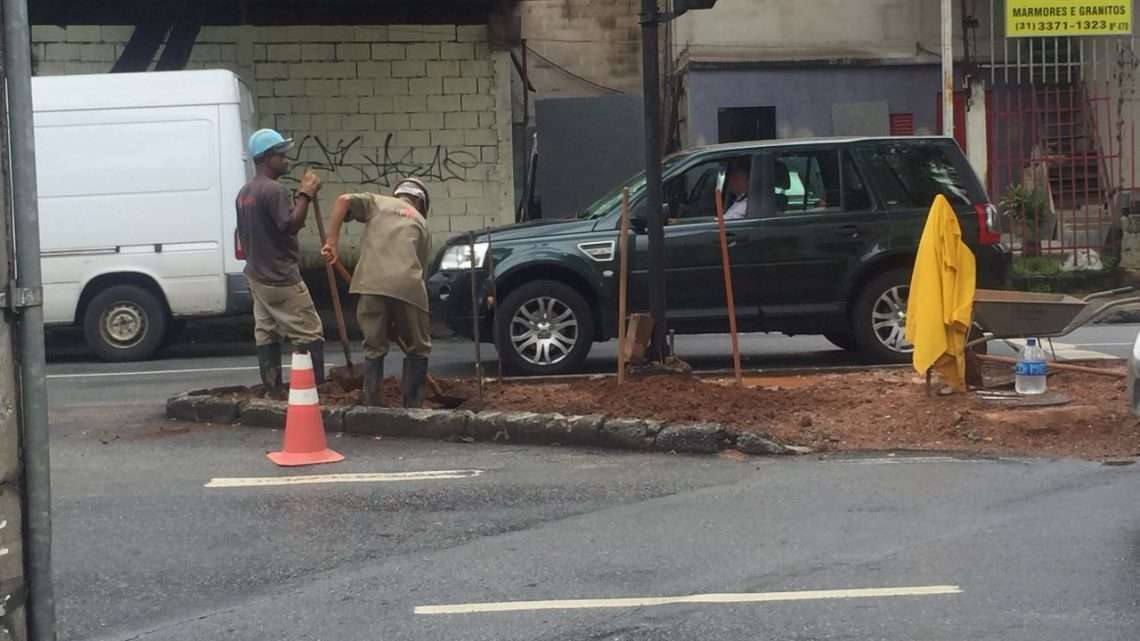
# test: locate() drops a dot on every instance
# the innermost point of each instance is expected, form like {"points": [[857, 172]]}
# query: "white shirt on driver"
{"points": [[738, 209]]}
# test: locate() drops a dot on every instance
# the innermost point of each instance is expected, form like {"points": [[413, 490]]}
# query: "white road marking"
{"points": [[157, 372], [271, 481], [904, 460], [642, 602]]}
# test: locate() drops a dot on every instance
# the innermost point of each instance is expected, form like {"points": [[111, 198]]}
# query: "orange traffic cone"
{"points": [[304, 430]]}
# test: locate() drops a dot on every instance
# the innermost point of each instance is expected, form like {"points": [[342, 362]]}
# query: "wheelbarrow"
{"points": [[1010, 314], [1004, 315]]}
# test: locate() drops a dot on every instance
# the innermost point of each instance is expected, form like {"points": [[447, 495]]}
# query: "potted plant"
{"points": [[1028, 209]]}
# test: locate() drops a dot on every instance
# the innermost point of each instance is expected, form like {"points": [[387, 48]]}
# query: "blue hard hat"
{"points": [[264, 140]]}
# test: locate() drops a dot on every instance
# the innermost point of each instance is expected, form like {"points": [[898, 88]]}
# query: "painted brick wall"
{"points": [[366, 105]]}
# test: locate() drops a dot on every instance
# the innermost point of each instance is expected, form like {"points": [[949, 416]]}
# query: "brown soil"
{"points": [[867, 410], [863, 410]]}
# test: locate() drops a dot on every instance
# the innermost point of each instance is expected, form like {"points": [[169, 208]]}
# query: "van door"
{"points": [[130, 191], [821, 227]]}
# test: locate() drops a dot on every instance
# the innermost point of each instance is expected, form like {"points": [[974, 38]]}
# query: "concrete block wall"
{"points": [[595, 40], [366, 105]]}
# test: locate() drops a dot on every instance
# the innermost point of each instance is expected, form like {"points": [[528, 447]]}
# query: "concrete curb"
{"points": [[210, 406]]}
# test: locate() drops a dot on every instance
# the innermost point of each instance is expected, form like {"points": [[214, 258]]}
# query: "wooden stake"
{"points": [[728, 294], [1064, 367], [333, 291], [623, 281], [475, 316]]}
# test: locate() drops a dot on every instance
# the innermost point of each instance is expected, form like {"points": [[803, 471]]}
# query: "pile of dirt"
{"points": [[865, 410]]}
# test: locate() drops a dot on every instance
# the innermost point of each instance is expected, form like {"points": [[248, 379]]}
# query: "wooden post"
{"points": [[623, 282], [333, 291], [728, 294]]}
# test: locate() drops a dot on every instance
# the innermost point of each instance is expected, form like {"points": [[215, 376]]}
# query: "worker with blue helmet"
{"points": [[269, 219]]}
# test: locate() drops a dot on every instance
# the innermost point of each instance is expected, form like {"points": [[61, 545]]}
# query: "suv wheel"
{"points": [[544, 328], [124, 323], [880, 318]]}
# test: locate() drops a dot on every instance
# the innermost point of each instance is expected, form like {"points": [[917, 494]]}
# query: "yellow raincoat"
{"points": [[941, 300]]}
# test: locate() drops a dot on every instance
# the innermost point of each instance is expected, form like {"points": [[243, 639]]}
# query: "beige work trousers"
{"points": [[284, 312], [412, 324]]}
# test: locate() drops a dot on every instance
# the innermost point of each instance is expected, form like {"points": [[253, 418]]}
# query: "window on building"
{"points": [[902, 124]]}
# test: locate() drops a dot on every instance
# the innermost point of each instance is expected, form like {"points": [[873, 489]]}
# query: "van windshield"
{"points": [[636, 185]]}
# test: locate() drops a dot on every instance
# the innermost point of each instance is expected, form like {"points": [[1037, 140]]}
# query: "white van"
{"points": [[137, 177]]}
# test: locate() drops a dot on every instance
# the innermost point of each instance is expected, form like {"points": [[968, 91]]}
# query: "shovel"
{"points": [[348, 374]]}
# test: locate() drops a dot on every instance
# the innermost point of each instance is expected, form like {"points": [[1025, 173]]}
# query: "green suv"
{"points": [[822, 240]]}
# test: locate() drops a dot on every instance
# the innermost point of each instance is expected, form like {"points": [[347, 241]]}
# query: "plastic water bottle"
{"points": [[1029, 374]]}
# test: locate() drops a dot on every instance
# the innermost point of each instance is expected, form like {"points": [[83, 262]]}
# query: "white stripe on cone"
{"points": [[303, 396], [302, 361]]}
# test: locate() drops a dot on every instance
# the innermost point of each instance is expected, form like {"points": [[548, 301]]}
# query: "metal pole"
{"points": [[948, 68], [33, 389], [651, 96], [525, 206]]}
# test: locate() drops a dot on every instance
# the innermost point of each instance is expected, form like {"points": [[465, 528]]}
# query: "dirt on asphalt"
{"points": [[883, 409]]}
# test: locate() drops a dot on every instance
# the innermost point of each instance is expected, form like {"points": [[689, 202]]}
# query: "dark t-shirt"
{"points": [[272, 255]]}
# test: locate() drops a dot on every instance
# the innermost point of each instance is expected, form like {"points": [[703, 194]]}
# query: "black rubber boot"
{"points": [[413, 381], [317, 353], [269, 364], [372, 394]]}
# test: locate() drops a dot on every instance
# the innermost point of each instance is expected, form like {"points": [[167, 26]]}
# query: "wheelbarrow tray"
{"points": [[1013, 313]]}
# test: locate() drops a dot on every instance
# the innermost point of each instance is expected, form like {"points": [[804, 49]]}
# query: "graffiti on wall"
{"points": [[352, 164]]}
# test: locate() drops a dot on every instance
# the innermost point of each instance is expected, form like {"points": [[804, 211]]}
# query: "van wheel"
{"points": [[544, 328], [124, 323], [880, 318]]}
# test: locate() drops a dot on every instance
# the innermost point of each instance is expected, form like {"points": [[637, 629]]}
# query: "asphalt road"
{"points": [[959, 548], [966, 549]]}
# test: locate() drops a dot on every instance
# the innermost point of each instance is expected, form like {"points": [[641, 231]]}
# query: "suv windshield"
{"points": [[636, 185]]}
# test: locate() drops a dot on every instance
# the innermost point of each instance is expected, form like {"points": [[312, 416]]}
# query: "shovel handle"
{"points": [[340, 326]]}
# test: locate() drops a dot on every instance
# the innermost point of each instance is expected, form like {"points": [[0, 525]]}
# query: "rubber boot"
{"points": [[269, 364], [372, 394], [413, 381], [317, 353]]}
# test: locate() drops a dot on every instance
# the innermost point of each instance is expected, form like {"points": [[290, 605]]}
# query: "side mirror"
{"points": [[638, 224]]}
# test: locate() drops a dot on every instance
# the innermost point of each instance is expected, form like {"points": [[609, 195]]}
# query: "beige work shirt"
{"points": [[394, 250]]}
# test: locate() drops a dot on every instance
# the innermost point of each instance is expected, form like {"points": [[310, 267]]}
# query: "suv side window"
{"points": [[909, 175], [855, 195], [807, 182], [691, 195]]}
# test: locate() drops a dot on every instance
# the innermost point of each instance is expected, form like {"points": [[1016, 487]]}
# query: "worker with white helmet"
{"points": [[268, 224], [394, 254]]}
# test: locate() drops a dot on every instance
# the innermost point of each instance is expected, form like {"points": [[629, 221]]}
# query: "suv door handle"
{"points": [[850, 231], [732, 239]]}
